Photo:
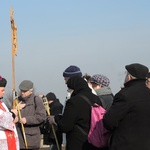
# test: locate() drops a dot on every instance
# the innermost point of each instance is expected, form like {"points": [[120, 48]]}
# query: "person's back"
{"points": [[128, 117], [106, 96]]}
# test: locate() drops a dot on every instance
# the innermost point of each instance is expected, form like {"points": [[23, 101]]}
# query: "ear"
{"points": [[98, 87], [129, 77]]}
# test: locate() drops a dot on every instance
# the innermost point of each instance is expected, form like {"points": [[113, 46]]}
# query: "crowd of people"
{"points": [[126, 118]]}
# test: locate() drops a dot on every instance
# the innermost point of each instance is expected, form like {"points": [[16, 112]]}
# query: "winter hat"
{"points": [[3, 82], [137, 70], [51, 96], [72, 71], [100, 80], [26, 85]]}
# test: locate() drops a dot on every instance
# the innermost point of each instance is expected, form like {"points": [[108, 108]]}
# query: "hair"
{"points": [[94, 85], [87, 77], [131, 75]]}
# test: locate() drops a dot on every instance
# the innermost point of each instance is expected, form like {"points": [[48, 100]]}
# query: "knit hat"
{"points": [[51, 96], [137, 70], [72, 71], [26, 85], [3, 82], [100, 80]]}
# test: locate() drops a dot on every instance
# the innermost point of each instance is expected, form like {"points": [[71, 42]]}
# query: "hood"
{"points": [[104, 91], [77, 84]]}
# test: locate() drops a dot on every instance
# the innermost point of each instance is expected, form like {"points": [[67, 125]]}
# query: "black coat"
{"points": [[129, 117], [77, 112], [55, 108]]}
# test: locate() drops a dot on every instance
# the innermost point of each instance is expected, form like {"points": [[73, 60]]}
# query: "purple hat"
{"points": [[100, 80], [72, 71], [3, 82]]}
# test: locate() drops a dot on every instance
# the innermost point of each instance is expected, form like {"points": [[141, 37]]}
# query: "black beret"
{"points": [[3, 82], [137, 70]]}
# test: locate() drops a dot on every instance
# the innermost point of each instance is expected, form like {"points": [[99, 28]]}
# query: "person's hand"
{"points": [[16, 119], [20, 105], [23, 120], [51, 119], [40, 95], [14, 111]]}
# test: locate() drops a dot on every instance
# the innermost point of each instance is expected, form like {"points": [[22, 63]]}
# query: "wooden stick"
{"points": [[45, 102]]}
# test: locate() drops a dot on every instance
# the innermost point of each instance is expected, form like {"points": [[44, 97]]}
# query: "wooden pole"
{"points": [[14, 53], [45, 102]]}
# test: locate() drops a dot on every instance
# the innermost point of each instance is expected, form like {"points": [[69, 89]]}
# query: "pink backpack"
{"points": [[98, 135]]}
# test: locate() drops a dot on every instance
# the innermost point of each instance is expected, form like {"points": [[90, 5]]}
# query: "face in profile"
{"points": [[2, 91], [25, 93], [126, 77], [66, 79]]}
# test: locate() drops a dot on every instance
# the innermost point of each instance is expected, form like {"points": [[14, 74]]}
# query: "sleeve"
{"points": [[67, 120], [6, 120], [57, 109], [116, 112]]}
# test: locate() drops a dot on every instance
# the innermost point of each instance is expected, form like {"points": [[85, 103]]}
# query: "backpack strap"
{"points": [[35, 102], [86, 99]]}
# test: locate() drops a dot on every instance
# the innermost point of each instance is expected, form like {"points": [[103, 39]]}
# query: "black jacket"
{"points": [[77, 112], [55, 108], [129, 117]]}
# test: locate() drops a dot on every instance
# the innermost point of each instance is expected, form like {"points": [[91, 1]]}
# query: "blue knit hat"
{"points": [[72, 71]]}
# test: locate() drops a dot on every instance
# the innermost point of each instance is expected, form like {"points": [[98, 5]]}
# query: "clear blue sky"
{"points": [[99, 36]]}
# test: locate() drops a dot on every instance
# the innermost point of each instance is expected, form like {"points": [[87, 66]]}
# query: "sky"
{"points": [[98, 36]]}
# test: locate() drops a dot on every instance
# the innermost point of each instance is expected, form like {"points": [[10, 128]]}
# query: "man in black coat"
{"points": [[129, 116], [75, 121]]}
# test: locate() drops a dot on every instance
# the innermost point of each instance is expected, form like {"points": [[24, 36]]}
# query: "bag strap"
{"points": [[86, 99], [35, 102]]}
